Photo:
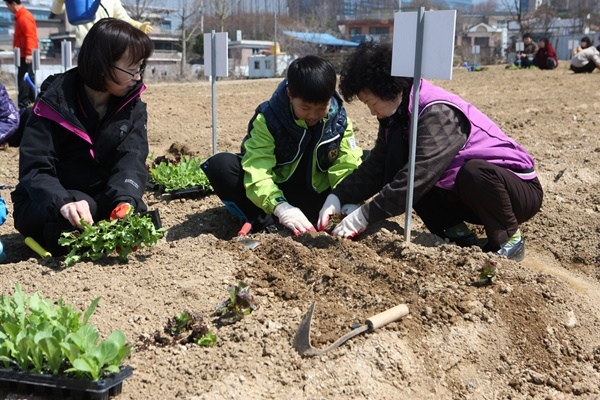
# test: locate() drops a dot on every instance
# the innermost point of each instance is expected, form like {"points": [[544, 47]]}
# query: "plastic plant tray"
{"points": [[60, 387], [192, 192]]}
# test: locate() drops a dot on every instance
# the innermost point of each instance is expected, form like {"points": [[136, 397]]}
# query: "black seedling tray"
{"points": [[190, 193], [155, 217], [60, 387]]}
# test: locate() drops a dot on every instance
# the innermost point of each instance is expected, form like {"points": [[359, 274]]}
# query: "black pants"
{"points": [[26, 92], [225, 173], [40, 221], [486, 195], [589, 68]]}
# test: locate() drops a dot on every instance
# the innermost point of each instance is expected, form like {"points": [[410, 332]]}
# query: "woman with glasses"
{"points": [[84, 147]]}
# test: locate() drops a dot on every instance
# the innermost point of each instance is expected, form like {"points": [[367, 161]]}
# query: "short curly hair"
{"points": [[370, 67]]}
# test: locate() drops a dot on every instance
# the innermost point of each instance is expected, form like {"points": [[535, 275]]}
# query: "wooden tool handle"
{"points": [[384, 318]]}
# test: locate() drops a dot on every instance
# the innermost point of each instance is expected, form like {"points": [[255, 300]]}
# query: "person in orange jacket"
{"points": [[26, 40]]}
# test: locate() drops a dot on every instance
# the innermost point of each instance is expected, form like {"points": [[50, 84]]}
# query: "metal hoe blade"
{"points": [[302, 336]]}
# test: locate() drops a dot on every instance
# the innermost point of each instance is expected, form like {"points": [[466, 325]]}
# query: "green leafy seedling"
{"points": [[208, 340], [488, 273], [181, 173], [239, 304], [39, 336], [123, 235], [189, 327]]}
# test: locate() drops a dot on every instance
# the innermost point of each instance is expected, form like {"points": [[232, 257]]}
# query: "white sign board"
{"points": [[573, 44], [221, 49], [519, 46], [438, 44]]}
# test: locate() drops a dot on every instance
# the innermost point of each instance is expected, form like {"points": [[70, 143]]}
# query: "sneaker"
{"points": [[460, 235], [514, 249]]}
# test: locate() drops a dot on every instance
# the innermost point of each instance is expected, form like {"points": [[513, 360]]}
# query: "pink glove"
{"points": [[330, 206], [293, 218], [354, 224]]}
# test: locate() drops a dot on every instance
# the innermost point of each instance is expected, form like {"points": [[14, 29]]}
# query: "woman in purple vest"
{"points": [[466, 168]]}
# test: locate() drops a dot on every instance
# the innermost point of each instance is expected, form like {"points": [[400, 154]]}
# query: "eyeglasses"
{"points": [[133, 75]]}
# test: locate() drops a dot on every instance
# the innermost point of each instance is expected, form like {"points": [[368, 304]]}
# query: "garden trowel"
{"points": [[241, 236], [302, 336]]}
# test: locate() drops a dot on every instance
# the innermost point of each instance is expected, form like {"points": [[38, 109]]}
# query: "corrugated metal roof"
{"points": [[320, 38]]}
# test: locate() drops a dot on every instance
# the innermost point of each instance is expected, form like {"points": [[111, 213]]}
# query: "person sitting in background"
{"points": [[84, 148], [585, 43], [546, 58], [526, 58], [9, 119], [300, 144], [587, 60], [107, 9], [466, 168]]}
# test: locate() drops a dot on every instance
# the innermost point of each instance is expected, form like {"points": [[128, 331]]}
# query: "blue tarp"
{"points": [[320, 38]]}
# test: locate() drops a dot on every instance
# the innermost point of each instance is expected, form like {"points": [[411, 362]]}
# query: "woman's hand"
{"points": [[75, 211]]}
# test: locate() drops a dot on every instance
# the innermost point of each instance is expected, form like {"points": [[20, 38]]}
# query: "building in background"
{"points": [[54, 29]]}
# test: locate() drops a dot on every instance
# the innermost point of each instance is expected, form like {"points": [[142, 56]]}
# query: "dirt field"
{"points": [[533, 334]]}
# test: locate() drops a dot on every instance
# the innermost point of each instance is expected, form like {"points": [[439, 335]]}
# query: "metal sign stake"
{"points": [[414, 123]]}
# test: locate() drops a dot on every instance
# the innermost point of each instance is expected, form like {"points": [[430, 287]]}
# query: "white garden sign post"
{"points": [[423, 48], [215, 64]]}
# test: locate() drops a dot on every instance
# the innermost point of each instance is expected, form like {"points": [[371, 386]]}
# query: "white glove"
{"points": [[293, 218], [354, 224], [348, 209], [330, 207]]}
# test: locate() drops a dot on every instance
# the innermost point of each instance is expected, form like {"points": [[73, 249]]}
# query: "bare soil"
{"points": [[534, 333]]}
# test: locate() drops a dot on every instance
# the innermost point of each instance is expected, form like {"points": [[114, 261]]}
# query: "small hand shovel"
{"points": [[302, 336], [244, 230]]}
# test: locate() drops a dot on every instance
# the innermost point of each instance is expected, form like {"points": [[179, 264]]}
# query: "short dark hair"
{"points": [[370, 67], [311, 78], [527, 35], [587, 40], [13, 1], [106, 42]]}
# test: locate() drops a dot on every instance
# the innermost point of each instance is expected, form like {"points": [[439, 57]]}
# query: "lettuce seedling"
{"points": [[207, 340], [183, 328], [180, 173], [488, 273], [40, 337], [239, 304], [123, 235]]}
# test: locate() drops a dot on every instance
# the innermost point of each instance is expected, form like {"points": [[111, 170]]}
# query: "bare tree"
{"points": [[518, 13], [140, 10], [544, 18], [223, 9], [487, 7], [188, 12]]}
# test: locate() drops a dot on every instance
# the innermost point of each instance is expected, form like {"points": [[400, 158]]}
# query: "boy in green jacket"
{"points": [[299, 146]]}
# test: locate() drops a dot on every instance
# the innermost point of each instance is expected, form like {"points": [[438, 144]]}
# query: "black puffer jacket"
{"points": [[58, 153]]}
